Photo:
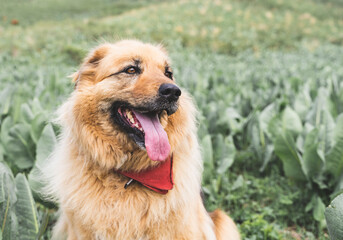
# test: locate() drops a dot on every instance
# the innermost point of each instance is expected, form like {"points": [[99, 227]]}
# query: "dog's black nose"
{"points": [[169, 91]]}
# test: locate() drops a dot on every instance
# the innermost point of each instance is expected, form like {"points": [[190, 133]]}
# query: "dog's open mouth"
{"points": [[130, 118], [145, 129]]}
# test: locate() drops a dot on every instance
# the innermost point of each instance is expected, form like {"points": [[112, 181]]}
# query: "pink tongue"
{"points": [[156, 139]]}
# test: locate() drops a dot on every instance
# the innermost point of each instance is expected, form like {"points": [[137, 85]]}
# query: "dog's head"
{"points": [[126, 102]]}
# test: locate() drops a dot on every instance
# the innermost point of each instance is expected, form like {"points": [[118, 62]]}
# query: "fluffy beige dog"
{"points": [[128, 165]]}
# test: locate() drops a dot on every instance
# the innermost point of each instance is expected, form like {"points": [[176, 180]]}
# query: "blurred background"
{"points": [[267, 77]]}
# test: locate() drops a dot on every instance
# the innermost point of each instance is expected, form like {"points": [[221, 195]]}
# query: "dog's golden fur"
{"points": [[93, 202]]}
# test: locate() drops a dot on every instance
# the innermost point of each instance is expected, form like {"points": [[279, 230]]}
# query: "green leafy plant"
{"points": [[17, 206], [334, 218], [311, 153]]}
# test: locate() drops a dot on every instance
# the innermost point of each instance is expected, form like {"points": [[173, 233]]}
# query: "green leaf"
{"points": [[25, 209], [5, 127], [339, 187], [233, 118], [291, 121], [238, 183], [44, 224], [257, 139], [286, 150], [6, 183], [267, 156], [37, 126], [2, 152], [26, 113], [318, 209], [310, 205], [227, 155], [45, 146], [320, 107], [6, 99], [334, 158], [265, 117], [303, 101], [275, 127], [326, 134], [36, 106], [8, 220], [286, 200], [312, 162], [207, 152], [20, 147], [334, 218]]}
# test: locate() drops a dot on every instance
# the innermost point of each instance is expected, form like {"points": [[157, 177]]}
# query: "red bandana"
{"points": [[158, 179]]}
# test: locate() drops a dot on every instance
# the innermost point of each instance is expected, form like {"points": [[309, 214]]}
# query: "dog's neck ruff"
{"points": [[158, 179]]}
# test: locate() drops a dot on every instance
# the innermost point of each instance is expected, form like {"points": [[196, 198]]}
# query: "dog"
{"points": [[127, 164]]}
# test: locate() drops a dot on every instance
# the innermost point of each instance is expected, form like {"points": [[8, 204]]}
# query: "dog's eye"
{"points": [[169, 74], [131, 70]]}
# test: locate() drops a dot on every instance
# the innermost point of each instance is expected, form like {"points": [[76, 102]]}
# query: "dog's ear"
{"points": [[97, 54], [90, 63]]}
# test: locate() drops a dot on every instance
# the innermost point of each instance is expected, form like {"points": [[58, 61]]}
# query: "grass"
{"points": [[221, 26], [253, 54], [30, 12]]}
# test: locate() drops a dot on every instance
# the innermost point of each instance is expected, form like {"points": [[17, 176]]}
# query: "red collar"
{"points": [[158, 179]]}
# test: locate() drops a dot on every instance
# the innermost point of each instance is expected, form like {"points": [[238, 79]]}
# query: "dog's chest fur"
{"points": [[101, 204]]}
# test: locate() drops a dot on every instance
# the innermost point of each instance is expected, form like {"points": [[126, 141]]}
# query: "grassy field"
{"points": [[266, 76]]}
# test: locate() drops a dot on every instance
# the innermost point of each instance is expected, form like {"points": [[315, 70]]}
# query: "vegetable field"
{"points": [[267, 77]]}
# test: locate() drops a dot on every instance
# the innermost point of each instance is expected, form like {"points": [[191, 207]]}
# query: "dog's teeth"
{"points": [[129, 116]]}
